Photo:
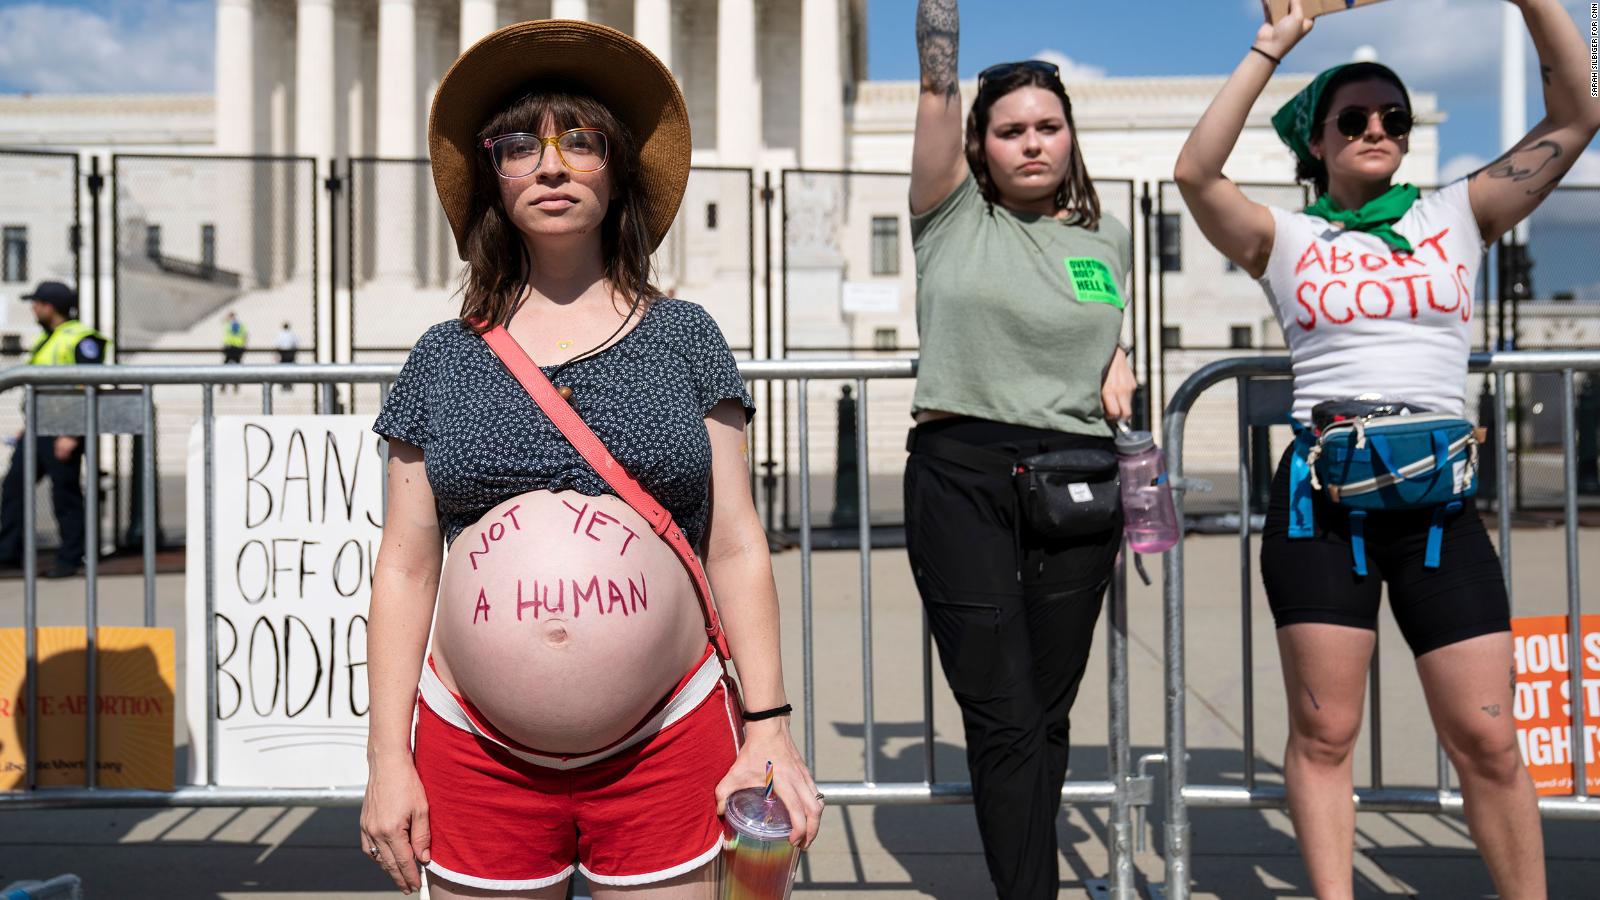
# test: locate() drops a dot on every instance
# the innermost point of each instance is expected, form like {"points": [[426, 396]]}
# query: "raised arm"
{"points": [[938, 162], [1237, 226], [1504, 192]]}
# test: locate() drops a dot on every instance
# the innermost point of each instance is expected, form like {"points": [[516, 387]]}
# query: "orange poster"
{"points": [[1543, 714], [135, 701]]}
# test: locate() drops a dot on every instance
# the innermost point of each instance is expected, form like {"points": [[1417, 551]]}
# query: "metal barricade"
{"points": [[1180, 795], [1120, 791]]}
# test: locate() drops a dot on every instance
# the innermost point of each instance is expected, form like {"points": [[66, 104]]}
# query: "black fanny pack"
{"points": [[1068, 493], [1060, 494]]}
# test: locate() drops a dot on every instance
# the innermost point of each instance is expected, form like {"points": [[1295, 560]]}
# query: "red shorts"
{"points": [[504, 817]]}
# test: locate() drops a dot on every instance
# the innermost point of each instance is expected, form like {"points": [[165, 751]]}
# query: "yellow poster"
{"points": [[135, 701]]}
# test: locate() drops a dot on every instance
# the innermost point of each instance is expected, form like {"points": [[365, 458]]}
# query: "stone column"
{"points": [[314, 82], [738, 85], [395, 188], [235, 76], [478, 18], [652, 25], [569, 9], [425, 210], [821, 86], [314, 90]]}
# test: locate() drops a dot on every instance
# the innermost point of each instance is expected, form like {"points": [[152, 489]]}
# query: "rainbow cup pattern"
{"points": [[758, 862]]}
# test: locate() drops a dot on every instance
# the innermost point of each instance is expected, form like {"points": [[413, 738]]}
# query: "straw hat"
{"points": [[613, 67]]}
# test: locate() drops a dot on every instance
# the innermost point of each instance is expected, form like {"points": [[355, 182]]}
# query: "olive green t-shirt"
{"points": [[1017, 314]]}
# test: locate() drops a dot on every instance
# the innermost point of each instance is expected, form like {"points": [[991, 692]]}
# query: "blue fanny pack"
{"points": [[1419, 461]]}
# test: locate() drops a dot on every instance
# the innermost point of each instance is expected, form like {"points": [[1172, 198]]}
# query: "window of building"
{"points": [[1170, 240], [14, 253], [1241, 337], [886, 245], [711, 217], [208, 247], [886, 339], [1171, 337], [152, 241]]}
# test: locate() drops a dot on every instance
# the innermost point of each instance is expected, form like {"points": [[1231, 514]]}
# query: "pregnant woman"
{"points": [[574, 711]]}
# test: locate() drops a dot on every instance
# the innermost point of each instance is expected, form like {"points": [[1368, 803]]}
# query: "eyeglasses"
{"points": [[520, 155], [1000, 70], [1352, 121]]}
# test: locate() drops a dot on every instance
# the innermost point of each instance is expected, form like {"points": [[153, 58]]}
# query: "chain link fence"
{"points": [[40, 234], [195, 238]]}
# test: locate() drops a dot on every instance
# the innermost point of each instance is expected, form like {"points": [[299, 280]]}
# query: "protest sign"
{"points": [[134, 698], [297, 517], [1277, 9], [1543, 713]]}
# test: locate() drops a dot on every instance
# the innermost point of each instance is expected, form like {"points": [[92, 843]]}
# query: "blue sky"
{"points": [[1448, 47]]}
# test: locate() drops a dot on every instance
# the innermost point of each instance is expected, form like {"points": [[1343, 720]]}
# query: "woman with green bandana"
{"points": [[1372, 284]]}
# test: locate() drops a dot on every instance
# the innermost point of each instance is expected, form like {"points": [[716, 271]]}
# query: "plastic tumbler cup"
{"points": [[758, 862]]}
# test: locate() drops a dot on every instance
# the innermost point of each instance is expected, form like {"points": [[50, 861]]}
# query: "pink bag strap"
{"points": [[590, 447]]}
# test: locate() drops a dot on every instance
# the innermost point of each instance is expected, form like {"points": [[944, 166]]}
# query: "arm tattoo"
{"points": [[938, 38], [1492, 709], [1545, 72], [1523, 163]]}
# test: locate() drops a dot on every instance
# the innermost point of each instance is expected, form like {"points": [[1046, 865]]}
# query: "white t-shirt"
{"points": [[287, 340], [1360, 317]]}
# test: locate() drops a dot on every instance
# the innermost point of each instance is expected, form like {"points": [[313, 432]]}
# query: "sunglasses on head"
{"points": [[1352, 121], [1000, 70]]}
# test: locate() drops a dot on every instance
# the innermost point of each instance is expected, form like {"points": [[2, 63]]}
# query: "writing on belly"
{"points": [[1337, 287], [562, 593]]}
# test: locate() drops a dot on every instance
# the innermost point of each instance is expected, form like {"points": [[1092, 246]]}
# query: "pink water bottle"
{"points": [[1149, 519]]}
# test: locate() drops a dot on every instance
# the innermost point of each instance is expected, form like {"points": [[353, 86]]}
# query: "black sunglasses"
{"points": [[1352, 121], [1000, 70]]}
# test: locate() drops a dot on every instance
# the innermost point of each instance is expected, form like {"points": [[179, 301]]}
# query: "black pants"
{"points": [[1014, 619], [66, 495]]}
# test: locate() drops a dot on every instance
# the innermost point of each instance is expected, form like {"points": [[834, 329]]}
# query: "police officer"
{"points": [[65, 341], [234, 338]]}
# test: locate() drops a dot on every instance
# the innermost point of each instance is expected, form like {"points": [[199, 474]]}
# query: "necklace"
{"points": [[566, 391]]}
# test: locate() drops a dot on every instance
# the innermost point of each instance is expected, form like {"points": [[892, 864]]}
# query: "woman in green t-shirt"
{"points": [[1020, 281]]}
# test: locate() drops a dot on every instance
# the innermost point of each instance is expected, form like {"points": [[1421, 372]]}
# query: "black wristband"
{"points": [[1275, 61], [772, 713]]}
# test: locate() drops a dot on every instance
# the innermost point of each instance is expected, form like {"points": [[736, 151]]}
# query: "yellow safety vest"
{"points": [[60, 347], [234, 335]]}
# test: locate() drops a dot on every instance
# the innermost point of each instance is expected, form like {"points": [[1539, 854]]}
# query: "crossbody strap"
{"points": [[594, 452]]}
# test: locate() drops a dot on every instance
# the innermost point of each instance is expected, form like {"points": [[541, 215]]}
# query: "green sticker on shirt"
{"points": [[1093, 281]]}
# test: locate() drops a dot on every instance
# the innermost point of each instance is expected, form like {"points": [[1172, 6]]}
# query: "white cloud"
{"points": [[1433, 44], [159, 46], [1459, 166], [1071, 70], [1584, 172]]}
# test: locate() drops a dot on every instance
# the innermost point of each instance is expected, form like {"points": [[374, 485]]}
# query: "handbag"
{"points": [[1060, 493], [1385, 462], [594, 452]]}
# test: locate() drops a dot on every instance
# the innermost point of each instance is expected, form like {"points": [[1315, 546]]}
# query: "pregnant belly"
{"points": [[564, 620]]}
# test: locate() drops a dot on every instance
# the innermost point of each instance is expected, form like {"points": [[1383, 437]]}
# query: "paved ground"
{"points": [[887, 852]]}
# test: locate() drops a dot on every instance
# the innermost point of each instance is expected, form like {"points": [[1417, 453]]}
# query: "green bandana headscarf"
{"points": [[1295, 123], [1376, 217]]}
